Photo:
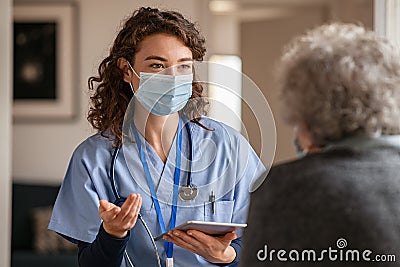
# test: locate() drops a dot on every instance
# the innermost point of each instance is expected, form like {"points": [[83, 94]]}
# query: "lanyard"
{"points": [[168, 246]]}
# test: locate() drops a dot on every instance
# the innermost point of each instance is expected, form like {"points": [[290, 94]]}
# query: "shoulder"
{"points": [[230, 143], [219, 129], [342, 170], [93, 147], [312, 164], [297, 176]]}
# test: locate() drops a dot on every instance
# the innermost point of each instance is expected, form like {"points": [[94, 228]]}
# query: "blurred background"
{"points": [[248, 34]]}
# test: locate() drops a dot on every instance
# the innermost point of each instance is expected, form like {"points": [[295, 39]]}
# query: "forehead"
{"points": [[164, 45]]}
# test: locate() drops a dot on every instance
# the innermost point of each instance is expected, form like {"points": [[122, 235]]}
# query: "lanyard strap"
{"points": [[168, 246]]}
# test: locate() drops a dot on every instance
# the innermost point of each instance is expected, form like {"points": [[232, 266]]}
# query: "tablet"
{"points": [[211, 228]]}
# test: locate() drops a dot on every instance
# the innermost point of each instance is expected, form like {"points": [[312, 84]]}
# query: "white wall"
{"points": [[5, 133], [41, 151]]}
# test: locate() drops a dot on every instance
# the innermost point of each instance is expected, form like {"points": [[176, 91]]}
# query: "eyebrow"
{"points": [[165, 60]]}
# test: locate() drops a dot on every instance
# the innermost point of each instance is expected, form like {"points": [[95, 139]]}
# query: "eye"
{"points": [[185, 66], [157, 66]]}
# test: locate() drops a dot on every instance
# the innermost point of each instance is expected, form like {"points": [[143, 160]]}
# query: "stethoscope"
{"points": [[187, 192]]}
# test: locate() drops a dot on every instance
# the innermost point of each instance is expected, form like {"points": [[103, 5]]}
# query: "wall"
{"points": [[5, 133], [353, 11], [41, 151], [261, 45]]}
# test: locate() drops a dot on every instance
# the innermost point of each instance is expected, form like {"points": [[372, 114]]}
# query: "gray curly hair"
{"points": [[341, 80]]}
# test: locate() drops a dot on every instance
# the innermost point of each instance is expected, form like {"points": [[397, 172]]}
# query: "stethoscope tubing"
{"points": [[119, 200]]}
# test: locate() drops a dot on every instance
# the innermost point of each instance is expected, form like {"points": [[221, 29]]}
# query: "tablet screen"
{"points": [[210, 228]]}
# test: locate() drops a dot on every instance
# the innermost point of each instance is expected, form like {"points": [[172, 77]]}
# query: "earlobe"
{"points": [[123, 65]]}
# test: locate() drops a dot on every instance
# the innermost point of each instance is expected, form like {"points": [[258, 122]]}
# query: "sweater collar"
{"points": [[366, 143]]}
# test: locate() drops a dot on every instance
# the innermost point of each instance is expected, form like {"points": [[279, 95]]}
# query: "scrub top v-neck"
{"points": [[168, 246]]}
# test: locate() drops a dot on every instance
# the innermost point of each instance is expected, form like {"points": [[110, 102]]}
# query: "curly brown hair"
{"points": [[111, 96]]}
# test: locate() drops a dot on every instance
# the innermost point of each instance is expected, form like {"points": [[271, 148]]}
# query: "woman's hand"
{"points": [[212, 248], [117, 221]]}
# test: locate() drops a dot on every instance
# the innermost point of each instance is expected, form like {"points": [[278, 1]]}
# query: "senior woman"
{"points": [[339, 204]]}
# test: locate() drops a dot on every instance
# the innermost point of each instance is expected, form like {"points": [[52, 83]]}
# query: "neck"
{"points": [[159, 131]]}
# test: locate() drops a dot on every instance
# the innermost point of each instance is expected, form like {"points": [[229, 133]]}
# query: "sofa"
{"points": [[32, 245]]}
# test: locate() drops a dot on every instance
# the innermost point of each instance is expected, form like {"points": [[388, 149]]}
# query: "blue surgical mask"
{"points": [[299, 150], [163, 94]]}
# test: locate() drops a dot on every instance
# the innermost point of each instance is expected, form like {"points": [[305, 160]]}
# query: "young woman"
{"points": [[177, 164]]}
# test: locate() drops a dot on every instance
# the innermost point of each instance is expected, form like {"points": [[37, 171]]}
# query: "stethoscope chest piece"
{"points": [[187, 193]]}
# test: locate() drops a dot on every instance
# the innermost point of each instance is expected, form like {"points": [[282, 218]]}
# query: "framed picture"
{"points": [[44, 67]]}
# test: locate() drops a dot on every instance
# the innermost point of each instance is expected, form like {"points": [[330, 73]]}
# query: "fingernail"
{"points": [[175, 233], [189, 233]]}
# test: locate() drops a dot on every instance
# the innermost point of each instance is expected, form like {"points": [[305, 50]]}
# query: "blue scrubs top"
{"points": [[223, 162]]}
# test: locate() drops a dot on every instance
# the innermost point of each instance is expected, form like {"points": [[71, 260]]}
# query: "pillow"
{"points": [[44, 240]]}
